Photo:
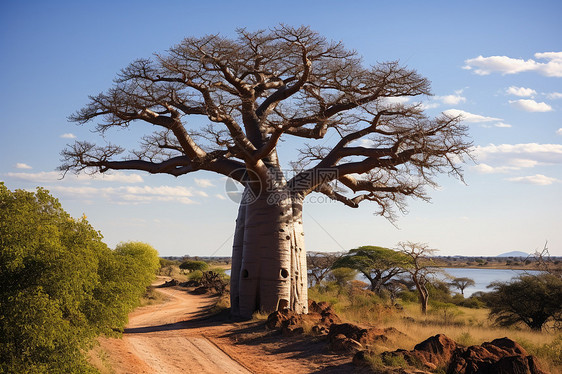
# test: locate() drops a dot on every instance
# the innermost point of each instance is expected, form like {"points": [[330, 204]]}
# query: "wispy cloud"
{"points": [[53, 176], [21, 165], [204, 183], [554, 95], [128, 194], [507, 65], [538, 179], [388, 102], [559, 131], [531, 105], [513, 164], [469, 117], [68, 135], [521, 91], [451, 99], [220, 197], [505, 158]]}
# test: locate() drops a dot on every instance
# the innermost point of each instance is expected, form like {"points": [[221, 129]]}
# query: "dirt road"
{"points": [[178, 337], [160, 339]]}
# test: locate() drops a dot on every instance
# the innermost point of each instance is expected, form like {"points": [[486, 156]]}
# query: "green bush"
{"points": [[195, 275], [61, 285], [192, 265], [408, 296]]}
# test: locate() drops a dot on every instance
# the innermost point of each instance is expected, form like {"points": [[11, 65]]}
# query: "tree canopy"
{"points": [[461, 283], [533, 300], [264, 85], [193, 265], [379, 265], [61, 286]]}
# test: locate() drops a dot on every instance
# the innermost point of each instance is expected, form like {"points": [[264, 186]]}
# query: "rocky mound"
{"points": [[498, 356], [319, 318], [501, 356], [347, 337]]}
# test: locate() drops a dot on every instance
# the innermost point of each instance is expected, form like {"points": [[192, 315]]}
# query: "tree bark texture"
{"points": [[269, 257]]}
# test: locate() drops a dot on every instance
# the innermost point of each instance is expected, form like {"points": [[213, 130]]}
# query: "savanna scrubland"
{"points": [[63, 288]]}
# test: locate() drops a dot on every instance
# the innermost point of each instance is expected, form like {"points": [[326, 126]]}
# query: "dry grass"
{"points": [[98, 358], [151, 297], [465, 325], [173, 271]]}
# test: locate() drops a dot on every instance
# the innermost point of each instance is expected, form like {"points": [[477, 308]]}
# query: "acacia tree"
{"points": [[379, 265], [253, 91], [534, 300], [319, 265], [462, 283], [420, 268]]}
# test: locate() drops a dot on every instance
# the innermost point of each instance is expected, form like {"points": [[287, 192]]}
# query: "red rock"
{"points": [[501, 356]]}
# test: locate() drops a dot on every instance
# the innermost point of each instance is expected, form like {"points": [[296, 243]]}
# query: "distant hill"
{"points": [[513, 254]]}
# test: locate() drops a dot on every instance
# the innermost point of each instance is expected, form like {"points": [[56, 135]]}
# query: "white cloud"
{"points": [[220, 197], [505, 158], [469, 117], [204, 183], [559, 131], [426, 106], [501, 124], [68, 136], [451, 99], [519, 155], [538, 179], [513, 164], [554, 95], [393, 101], [488, 169], [53, 176], [531, 105], [128, 194], [507, 65], [521, 91], [21, 165]]}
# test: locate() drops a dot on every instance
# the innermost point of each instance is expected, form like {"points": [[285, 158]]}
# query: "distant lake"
{"points": [[483, 277]]}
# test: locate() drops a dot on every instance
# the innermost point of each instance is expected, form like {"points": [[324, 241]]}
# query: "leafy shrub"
{"points": [[195, 275], [61, 285], [192, 265]]}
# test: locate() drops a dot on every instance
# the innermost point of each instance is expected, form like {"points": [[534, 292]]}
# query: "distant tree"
{"points": [[342, 276], [379, 265], [420, 268], [192, 265], [531, 299], [225, 105], [546, 263], [462, 283], [319, 265]]}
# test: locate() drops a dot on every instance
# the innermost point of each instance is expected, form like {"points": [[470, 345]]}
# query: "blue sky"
{"points": [[499, 63]]}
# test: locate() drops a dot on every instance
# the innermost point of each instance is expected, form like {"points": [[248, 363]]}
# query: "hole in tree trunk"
{"points": [[282, 304], [244, 273], [284, 273]]}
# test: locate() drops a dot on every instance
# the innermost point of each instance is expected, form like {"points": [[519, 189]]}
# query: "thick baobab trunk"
{"points": [[268, 256]]}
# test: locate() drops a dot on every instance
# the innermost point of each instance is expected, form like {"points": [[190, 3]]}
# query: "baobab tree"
{"points": [[222, 105]]}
